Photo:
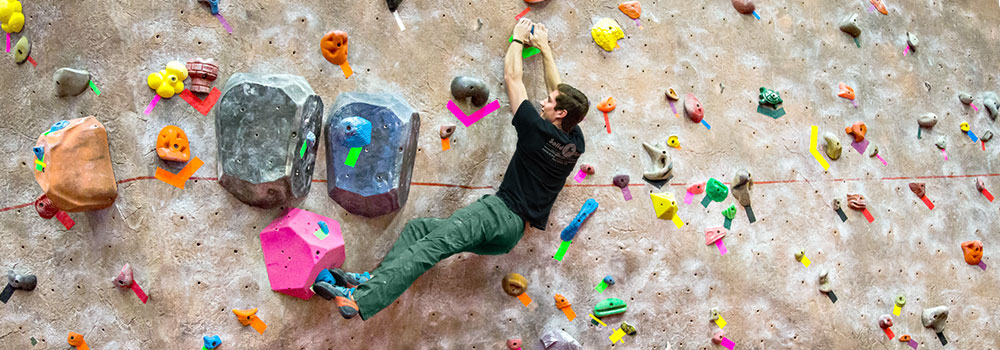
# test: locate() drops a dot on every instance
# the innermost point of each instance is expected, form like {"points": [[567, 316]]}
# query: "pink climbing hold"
{"points": [[296, 248]]}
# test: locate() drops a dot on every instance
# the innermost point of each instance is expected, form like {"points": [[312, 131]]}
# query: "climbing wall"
{"points": [[196, 251]]}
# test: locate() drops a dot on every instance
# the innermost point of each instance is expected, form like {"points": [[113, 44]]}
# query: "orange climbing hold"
{"points": [[632, 9], [846, 91], [880, 6], [607, 106], [334, 49], [76, 340], [858, 130], [172, 144]]}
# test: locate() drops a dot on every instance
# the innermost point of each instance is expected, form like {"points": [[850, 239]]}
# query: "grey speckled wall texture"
{"points": [[196, 251]]}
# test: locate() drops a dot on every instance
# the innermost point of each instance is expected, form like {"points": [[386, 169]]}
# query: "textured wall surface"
{"points": [[197, 254]]}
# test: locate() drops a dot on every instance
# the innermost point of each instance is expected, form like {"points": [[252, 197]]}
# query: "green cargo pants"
{"points": [[487, 227]]}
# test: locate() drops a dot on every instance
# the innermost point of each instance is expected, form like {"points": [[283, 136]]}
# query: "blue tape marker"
{"points": [[756, 15], [972, 136], [703, 122]]}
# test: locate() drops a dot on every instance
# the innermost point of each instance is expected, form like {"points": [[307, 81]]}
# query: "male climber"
{"points": [[548, 146]]}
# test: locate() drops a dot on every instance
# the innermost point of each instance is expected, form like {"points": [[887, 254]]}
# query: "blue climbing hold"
{"points": [[609, 280], [569, 232], [39, 152], [325, 276], [311, 138], [326, 229], [212, 342], [356, 132], [214, 4], [59, 125]]}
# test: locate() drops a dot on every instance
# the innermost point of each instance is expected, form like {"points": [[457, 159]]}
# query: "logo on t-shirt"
{"points": [[560, 153]]}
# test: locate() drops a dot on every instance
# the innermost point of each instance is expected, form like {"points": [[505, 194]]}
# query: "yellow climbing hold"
{"points": [[664, 204], [11, 18], [169, 81], [606, 34]]}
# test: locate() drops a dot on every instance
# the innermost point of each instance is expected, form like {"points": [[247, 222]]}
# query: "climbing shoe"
{"points": [[349, 279], [344, 298]]}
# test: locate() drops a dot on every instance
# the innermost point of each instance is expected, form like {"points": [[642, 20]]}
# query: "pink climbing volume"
{"points": [[470, 119]]}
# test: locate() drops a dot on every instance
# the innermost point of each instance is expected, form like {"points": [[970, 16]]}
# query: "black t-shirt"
{"points": [[544, 157]]}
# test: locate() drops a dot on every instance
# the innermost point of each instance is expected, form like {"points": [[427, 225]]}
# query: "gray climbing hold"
{"points": [[662, 167], [70, 82], [992, 103], [261, 122], [558, 339], [824, 281], [874, 151], [741, 187], [833, 147], [22, 282], [986, 136], [22, 49], [941, 142], [379, 181], [850, 25], [927, 120], [934, 318], [965, 97], [911, 39], [463, 87]]}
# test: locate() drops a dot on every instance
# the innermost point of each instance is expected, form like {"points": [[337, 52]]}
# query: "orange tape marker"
{"points": [[525, 299], [178, 180], [445, 144]]}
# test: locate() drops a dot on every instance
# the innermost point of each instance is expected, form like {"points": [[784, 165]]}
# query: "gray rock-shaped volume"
{"points": [[379, 181], [261, 123]]}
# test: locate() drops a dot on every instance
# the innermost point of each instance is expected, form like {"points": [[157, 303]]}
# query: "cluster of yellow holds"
{"points": [[606, 34], [11, 18], [169, 81]]}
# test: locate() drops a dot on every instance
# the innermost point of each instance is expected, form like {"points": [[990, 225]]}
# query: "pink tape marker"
{"points": [[8, 42], [868, 216], [688, 197], [855, 103], [728, 343], [139, 292], [871, 8], [626, 193], [982, 265], [580, 175], [945, 154], [906, 50], [988, 195], [152, 104], [224, 23], [470, 119], [913, 344], [879, 156], [722, 247]]}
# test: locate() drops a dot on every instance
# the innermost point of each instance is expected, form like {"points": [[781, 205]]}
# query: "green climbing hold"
{"points": [[610, 306], [769, 97], [730, 212], [716, 190]]}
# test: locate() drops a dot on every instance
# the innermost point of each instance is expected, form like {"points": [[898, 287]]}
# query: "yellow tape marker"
{"points": [[721, 322], [598, 320], [805, 261], [814, 150], [677, 221], [895, 310]]}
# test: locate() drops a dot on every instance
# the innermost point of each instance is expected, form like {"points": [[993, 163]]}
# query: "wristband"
{"points": [[519, 42]]}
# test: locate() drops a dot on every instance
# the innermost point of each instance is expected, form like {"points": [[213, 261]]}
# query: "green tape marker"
{"points": [[528, 51], [352, 158], [38, 165], [302, 151], [706, 201], [320, 234], [601, 287], [856, 42], [562, 250], [33, 341], [94, 87]]}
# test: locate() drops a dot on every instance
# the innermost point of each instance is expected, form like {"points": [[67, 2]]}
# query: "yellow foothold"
{"points": [[965, 127], [674, 141]]}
